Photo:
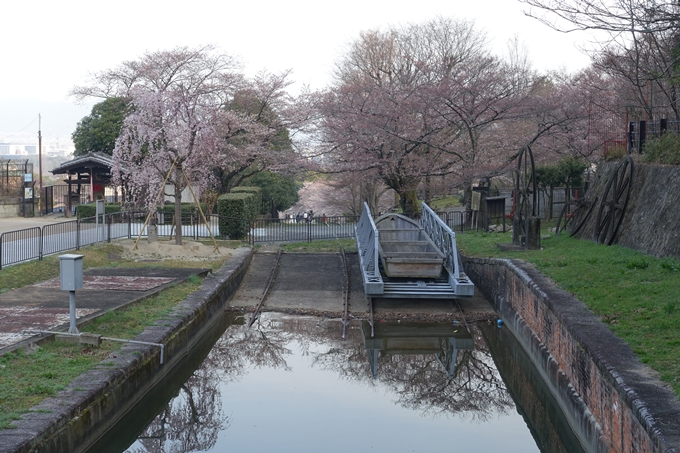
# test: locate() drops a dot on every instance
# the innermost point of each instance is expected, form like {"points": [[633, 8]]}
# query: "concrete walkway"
{"points": [[20, 223]]}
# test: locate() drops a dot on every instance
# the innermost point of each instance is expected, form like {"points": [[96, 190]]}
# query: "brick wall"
{"points": [[612, 401]]}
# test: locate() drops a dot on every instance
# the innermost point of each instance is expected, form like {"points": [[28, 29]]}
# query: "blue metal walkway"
{"points": [[453, 283]]}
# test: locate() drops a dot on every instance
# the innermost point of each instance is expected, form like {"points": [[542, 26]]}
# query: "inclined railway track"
{"points": [[275, 269]]}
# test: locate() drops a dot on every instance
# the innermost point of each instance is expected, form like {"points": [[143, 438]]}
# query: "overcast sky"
{"points": [[48, 46]]}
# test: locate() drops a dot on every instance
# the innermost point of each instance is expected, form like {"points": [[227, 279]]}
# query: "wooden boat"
{"points": [[405, 249]]}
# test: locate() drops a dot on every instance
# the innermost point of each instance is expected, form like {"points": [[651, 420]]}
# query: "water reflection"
{"points": [[410, 338], [434, 373]]}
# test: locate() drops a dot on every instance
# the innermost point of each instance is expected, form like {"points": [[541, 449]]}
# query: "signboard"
{"points": [[28, 193], [28, 177], [476, 201]]}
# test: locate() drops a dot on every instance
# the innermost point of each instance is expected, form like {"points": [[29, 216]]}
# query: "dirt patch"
{"points": [[168, 250]]}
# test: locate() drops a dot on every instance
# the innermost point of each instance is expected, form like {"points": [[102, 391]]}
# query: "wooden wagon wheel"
{"points": [[526, 193], [614, 202], [574, 221]]}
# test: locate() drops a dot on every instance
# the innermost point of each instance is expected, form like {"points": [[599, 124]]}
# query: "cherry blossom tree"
{"points": [[193, 113], [635, 41], [424, 101], [177, 118]]}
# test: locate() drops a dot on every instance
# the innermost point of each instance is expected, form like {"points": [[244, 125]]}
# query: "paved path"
{"points": [[19, 223]]}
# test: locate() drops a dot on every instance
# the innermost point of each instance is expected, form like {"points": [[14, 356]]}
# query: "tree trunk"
{"points": [[409, 203], [178, 205], [428, 189]]}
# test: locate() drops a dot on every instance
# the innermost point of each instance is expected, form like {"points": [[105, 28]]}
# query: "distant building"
{"points": [[18, 149], [49, 148]]}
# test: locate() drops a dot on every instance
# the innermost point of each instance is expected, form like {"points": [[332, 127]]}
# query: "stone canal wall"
{"points": [[651, 219], [612, 401], [97, 399]]}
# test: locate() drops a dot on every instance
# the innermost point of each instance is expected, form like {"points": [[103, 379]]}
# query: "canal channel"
{"points": [[292, 383]]}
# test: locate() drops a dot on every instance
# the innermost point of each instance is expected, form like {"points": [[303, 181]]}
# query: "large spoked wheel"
{"points": [[614, 202], [574, 215], [525, 193]]}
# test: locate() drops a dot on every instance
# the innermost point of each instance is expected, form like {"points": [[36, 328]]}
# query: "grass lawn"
{"points": [[26, 378], [635, 294]]}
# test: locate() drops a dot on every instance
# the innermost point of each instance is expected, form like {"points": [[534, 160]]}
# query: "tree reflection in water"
{"points": [[193, 419]]}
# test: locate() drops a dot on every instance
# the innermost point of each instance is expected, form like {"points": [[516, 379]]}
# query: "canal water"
{"points": [[291, 383]]}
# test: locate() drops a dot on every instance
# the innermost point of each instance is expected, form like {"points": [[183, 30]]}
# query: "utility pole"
{"points": [[40, 164]]}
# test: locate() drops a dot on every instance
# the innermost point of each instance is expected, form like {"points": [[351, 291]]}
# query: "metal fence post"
{"points": [[642, 135], [77, 234], [40, 245], [1, 236]]}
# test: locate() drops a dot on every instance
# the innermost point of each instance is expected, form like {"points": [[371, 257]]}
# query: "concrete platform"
{"points": [[44, 306]]}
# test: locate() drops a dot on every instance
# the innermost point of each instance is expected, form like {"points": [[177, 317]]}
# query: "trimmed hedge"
{"points": [[257, 191], [90, 209], [188, 209], [236, 211]]}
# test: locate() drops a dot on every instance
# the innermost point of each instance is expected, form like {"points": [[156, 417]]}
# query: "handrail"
{"points": [[367, 246], [443, 237]]}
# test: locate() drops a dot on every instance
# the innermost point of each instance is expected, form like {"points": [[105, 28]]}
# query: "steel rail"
{"points": [[345, 292], [371, 321], [272, 276], [80, 334], [467, 326]]}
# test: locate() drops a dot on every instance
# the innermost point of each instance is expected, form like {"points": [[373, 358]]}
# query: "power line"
{"points": [[23, 129]]}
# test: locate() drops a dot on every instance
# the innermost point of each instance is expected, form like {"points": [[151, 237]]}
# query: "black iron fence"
{"points": [[641, 131], [54, 198], [458, 220]]}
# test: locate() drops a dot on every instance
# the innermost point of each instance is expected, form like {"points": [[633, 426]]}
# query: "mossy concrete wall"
{"points": [[75, 418], [613, 402]]}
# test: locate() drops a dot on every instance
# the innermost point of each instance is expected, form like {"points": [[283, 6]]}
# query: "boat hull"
{"points": [[405, 250]]}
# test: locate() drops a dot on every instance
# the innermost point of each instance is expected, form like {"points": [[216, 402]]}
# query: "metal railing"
{"points": [[35, 243], [60, 237], [290, 230], [21, 245], [445, 239], [457, 220], [367, 245]]}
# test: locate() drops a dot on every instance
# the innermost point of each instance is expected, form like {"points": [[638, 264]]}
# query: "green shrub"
{"points": [[187, 209], [236, 211], [256, 191], [90, 209], [664, 150], [615, 153]]}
